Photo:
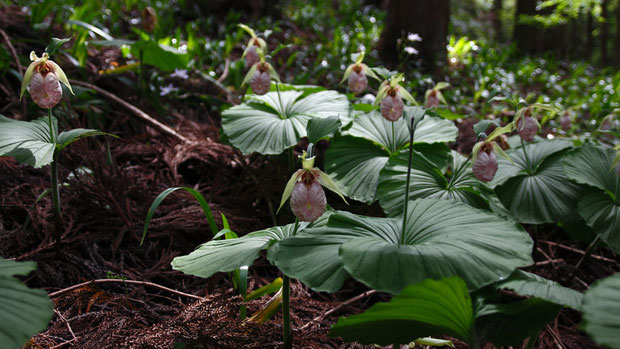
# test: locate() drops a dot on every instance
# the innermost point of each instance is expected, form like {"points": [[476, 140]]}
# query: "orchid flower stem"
{"points": [[587, 253], [527, 159], [411, 134], [286, 303], [393, 138], [54, 184]]}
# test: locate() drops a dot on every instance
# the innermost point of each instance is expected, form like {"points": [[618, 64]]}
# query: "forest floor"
{"points": [[104, 209]]}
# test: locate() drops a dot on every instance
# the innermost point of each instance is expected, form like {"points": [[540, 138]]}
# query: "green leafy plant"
{"points": [[600, 308], [25, 311], [446, 307], [38, 143]]}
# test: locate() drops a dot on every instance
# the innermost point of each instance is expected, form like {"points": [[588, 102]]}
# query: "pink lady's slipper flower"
{"points": [[356, 74], [391, 95], [305, 188], [260, 76], [43, 78]]}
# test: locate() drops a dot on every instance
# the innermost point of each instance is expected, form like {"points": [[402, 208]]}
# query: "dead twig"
{"points": [[6, 38], [133, 282], [340, 306], [226, 69], [139, 113], [66, 323], [578, 251]]}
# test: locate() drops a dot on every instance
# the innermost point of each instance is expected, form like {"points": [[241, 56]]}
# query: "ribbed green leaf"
{"points": [[442, 239], [603, 215], [164, 57], [591, 165], [429, 308], [355, 162], [319, 128], [268, 126], [28, 142], [228, 255], [540, 192], [23, 311], [427, 181], [528, 284], [601, 306], [68, 137]]}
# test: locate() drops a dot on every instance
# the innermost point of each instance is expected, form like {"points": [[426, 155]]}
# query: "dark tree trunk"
{"points": [[617, 43], [497, 19], [427, 18], [526, 36], [589, 37], [604, 31]]}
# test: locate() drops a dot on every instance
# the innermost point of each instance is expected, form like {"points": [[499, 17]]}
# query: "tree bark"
{"points": [[604, 31], [427, 18], [526, 36], [617, 43], [497, 19]]}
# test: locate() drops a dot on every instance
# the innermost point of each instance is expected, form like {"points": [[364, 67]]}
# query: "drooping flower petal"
{"points": [[357, 82], [308, 201], [45, 91], [485, 166], [260, 82], [251, 56], [392, 107], [527, 128]]}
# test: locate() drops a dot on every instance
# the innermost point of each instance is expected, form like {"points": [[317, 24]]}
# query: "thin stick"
{"points": [[226, 70], [340, 306], [572, 249], [13, 52], [133, 282], [139, 113], [66, 322]]}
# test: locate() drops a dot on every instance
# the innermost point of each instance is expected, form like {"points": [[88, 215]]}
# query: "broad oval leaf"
{"points": [[356, 160], [430, 308], [442, 239], [320, 128], [23, 311], [592, 165], [427, 181], [231, 254], [67, 137], [271, 123], [601, 306], [539, 192], [603, 215], [600, 208], [28, 142], [528, 284]]}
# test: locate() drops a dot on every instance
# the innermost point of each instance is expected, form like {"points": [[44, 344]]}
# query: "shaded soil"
{"points": [[105, 201]]}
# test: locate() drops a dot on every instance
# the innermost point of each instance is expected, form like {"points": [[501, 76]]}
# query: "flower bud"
{"points": [[527, 128], [357, 81], [308, 200], [149, 19], [45, 89], [251, 56], [392, 107], [485, 166], [260, 82]]}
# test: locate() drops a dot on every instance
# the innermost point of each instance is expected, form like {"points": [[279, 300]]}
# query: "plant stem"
{"points": [[527, 159], [588, 253], [286, 303], [54, 184], [411, 133], [393, 139]]}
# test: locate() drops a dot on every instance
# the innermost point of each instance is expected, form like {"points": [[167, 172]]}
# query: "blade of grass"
{"points": [[201, 200]]}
